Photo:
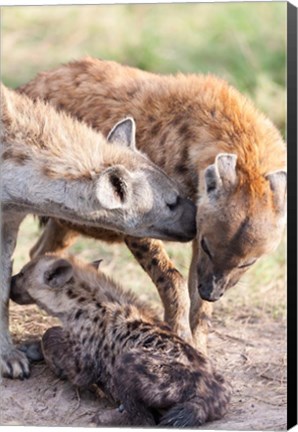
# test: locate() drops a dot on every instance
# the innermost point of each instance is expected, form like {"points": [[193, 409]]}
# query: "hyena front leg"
{"points": [[200, 321], [55, 238], [200, 310], [55, 351], [171, 285], [59, 355], [13, 362]]}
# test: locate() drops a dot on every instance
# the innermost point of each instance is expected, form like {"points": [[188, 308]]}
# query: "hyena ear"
{"points": [[113, 187], [96, 263], [124, 133], [221, 174], [58, 274], [278, 185]]}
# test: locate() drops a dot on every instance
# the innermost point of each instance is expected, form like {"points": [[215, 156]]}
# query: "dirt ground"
{"points": [[247, 342], [249, 350]]}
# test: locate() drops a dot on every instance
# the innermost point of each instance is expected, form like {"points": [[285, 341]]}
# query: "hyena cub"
{"points": [[111, 339]]}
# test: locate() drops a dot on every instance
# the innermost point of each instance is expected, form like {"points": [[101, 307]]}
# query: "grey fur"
{"points": [[52, 165]]}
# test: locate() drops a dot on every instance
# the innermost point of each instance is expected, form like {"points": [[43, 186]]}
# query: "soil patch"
{"points": [[250, 352]]}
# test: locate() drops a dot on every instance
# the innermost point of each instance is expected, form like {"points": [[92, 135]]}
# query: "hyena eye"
{"points": [[205, 248], [248, 264]]}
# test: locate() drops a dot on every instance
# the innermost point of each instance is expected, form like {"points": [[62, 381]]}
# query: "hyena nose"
{"points": [[173, 202], [210, 292]]}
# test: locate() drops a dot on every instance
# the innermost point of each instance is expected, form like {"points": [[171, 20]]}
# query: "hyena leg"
{"points": [[171, 285], [59, 356], [55, 238], [55, 352], [13, 362], [201, 313], [200, 310]]}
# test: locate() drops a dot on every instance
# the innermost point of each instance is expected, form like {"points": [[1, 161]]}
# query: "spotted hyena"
{"points": [[53, 165], [109, 338], [226, 155]]}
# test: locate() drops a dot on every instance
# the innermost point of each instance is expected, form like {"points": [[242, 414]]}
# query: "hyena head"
{"points": [[235, 225], [147, 201], [45, 280]]}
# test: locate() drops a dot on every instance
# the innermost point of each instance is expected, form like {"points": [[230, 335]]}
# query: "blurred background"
{"points": [[244, 43]]}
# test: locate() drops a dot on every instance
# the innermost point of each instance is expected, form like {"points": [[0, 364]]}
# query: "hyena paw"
{"points": [[14, 364]]}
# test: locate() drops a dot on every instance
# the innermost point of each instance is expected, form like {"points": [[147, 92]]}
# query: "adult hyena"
{"points": [[109, 338], [53, 165], [228, 157]]}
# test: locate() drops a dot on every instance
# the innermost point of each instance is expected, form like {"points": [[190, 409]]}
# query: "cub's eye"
{"points": [[248, 264], [205, 248]]}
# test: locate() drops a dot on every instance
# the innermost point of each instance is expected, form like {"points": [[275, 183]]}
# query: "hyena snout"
{"points": [[183, 226], [180, 224], [212, 287], [18, 293]]}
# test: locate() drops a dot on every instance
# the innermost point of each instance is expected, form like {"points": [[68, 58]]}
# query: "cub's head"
{"points": [[44, 281], [237, 223]]}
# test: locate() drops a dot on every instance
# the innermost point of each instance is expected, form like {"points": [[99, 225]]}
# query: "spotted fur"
{"points": [[109, 338], [226, 155], [53, 165]]}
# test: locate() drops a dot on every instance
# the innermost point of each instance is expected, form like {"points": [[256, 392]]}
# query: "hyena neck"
{"points": [[27, 188], [96, 296], [104, 291], [53, 141], [215, 119], [110, 293]]}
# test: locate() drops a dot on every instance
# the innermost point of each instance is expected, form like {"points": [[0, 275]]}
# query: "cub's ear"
{"points": [[222, 174], [96, 263], [113, 187], [124, 133], [59, 273], [278, 185]]}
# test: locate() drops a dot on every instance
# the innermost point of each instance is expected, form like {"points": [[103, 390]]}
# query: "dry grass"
{"points": [[242, 42]]}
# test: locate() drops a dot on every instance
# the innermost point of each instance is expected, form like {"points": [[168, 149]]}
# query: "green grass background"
{"points": [[242, 42]]}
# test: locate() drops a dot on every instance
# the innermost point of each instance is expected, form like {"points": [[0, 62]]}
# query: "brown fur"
{"points": [[48, 169], [55, 141], [111, 339], [183, 123], [216, 118]]}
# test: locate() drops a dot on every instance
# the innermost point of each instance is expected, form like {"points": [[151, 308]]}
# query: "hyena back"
{"points": [[53, 165], [110, 339], [228, 157]]}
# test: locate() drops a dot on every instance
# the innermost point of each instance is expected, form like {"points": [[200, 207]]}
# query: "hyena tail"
{"points": [[198, 410], [188, 414]]}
